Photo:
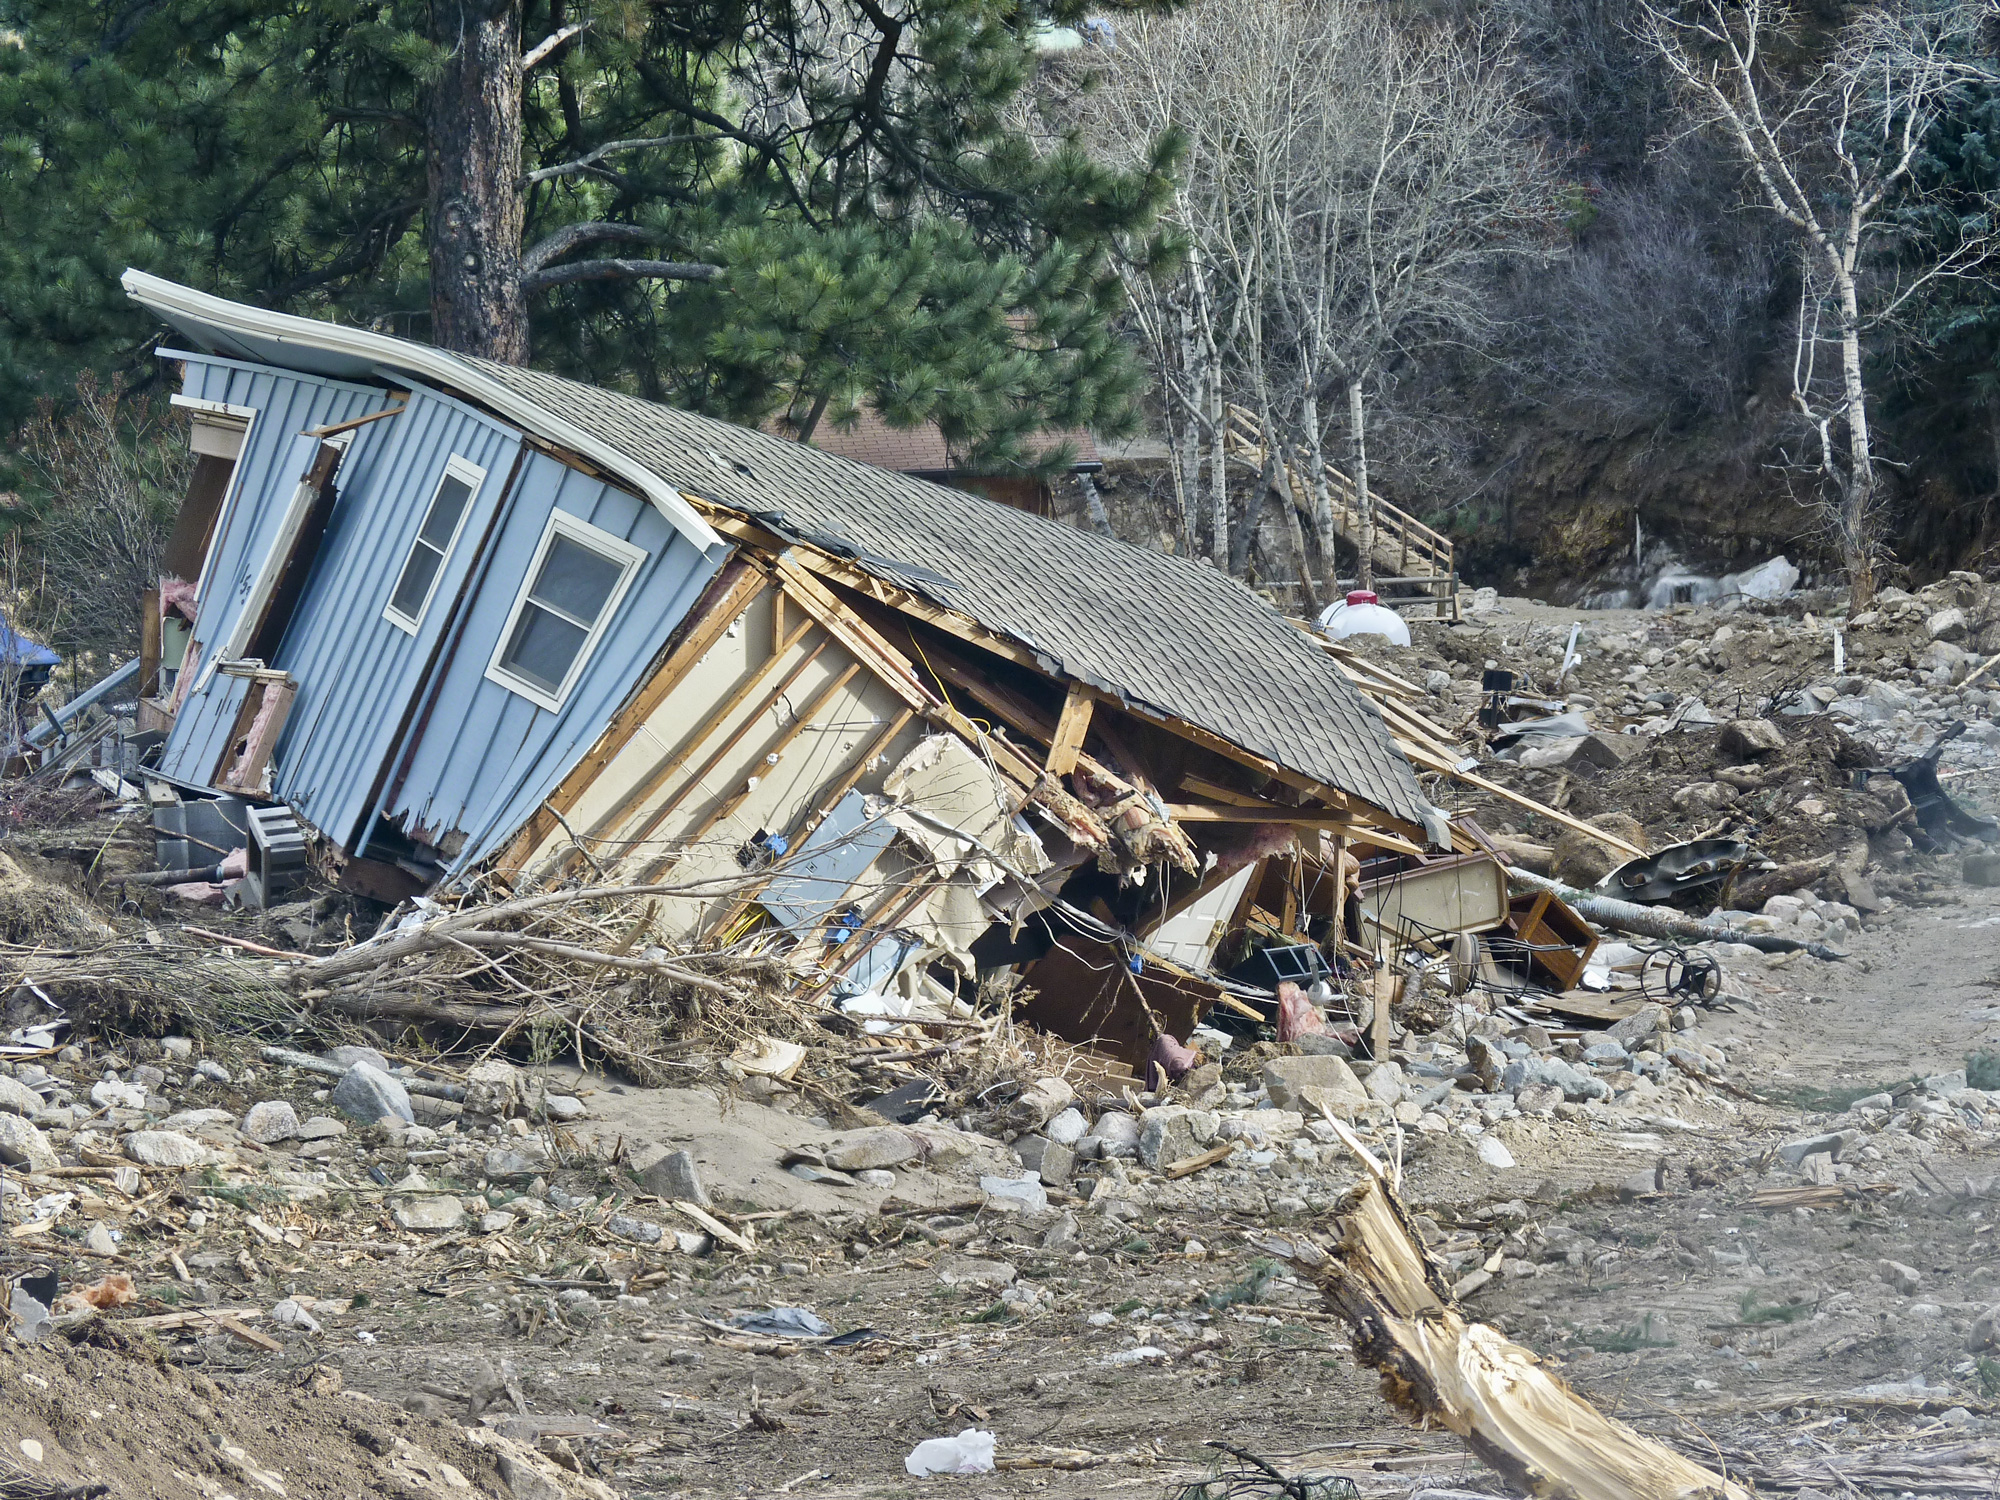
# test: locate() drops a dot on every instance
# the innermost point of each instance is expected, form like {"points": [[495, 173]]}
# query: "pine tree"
{"points": [[743, 206]]}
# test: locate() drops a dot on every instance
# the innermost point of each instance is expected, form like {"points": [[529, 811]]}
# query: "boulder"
{"points": [[367, 1094], [1173, 1133], [1749, 738], [520, 1162], [1648, 1020], [492, 1087], [1579, 860], [1038, 1103], [1287, 1080], [1794, 1152], [165, 1148], [1905, 1279], [270, 1122], [1067, 1127], [1385, 1084], [673, 1175], [877, 1146], [1985, 1335], [16, 1098], [348, 1056], [1116, 1134], [1947, 625], [23, 1145], [434, 1213], [321, 1128], [1015, 1194], [1048, 1160]]}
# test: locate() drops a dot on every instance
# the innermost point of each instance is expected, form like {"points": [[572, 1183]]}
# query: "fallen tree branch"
{"points": [[1516, 1417], [1654, 922]]}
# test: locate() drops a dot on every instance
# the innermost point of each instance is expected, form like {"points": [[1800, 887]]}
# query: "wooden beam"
{"points": [[1214, 791], [729, 804], [1071, 729], [1527, 803], [1305, 817], [736, 595], [631, 802]]}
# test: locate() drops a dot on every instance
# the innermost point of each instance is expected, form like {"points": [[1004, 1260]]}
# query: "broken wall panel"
{"points": [[1085, 992]]}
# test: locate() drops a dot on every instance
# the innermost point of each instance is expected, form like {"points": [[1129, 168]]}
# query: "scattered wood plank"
{"points": [[1188, 1166], [716, 1227]]}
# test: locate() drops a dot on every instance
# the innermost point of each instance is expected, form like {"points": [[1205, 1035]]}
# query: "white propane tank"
{"points": [[1360, 613]]}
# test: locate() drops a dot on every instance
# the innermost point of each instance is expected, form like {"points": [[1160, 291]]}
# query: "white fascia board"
{"points": [[180, 303]]}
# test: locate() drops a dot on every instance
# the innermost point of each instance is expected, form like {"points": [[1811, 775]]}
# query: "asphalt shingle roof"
{"points": [[1163, 632]]}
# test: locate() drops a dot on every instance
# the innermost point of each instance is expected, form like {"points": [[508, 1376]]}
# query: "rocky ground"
{"points": [[1760, 1229]]}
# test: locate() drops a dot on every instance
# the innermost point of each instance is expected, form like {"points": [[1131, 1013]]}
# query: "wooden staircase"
{"points": [[1414, 571]]}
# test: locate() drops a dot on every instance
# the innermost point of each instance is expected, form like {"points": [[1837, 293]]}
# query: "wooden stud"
{"points": [[679, 659], [1071, 729]]}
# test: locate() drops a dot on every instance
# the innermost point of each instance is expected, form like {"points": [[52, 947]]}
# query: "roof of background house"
{"points": [[922, 450], [1163, 632]]}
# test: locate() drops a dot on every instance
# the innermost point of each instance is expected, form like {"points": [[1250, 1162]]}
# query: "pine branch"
{"points": [[619, 270], [591, 158]]}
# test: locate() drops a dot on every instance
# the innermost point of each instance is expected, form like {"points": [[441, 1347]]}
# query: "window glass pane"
{"points": [[543, 647], [445, 511], [575, 580], [415, 584]]}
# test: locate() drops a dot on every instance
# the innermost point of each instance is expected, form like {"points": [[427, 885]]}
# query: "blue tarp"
{"points": [[16, 650]]}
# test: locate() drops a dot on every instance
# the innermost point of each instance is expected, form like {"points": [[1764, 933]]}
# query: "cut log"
{"points": [[1517, 1418]]}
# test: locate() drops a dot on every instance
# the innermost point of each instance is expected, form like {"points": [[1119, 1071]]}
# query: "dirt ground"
{"points": [[1723, 1326]]}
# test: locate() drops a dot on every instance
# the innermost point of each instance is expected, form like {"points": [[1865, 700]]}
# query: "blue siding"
{"points": [[267, 472], [488, 757], [386, 725], [358, 674]]}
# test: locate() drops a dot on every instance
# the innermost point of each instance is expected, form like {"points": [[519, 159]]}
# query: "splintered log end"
{"points": [[1517, 1417]]}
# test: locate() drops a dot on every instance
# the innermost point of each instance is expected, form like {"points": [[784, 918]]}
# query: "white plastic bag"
{"points": [[971, 1452]]}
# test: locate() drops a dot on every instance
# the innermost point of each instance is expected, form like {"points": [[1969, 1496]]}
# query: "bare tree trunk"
{"points": [[1093, 506], [1218, 484], [1288, 496], [1357, 457], [1857, 519], [1322, 499], [1253, 513], [1188, 470], [476, 211]]}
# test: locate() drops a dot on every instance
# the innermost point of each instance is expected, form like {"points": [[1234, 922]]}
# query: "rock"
{"points": [[1647, 1021], [1538, 1098], [639, 1231], [1980, 869], [321, 1128], [434, 1213], [1905, 1279], [1287, 1079], [195, 1119], [563, 1107], [1579, 860], [179, 1048], [1704, 796], [1874, 1101], [1640, 1185], [1606, 1055], [876, 1146], [1015, 1194], [492, 1087], [1066, 1127], [1116, 1134], [1037, 1104], [1575, 1084], [1494, 1152], [1794, 1152], [165, 1148], [1818, 1169], [1748, 738], [23, 1145], [875, 1177], [1946, 625], [348, 1056], [1944, 1085], [1486, 1063], [108, 1093], [270, 1122], [969, 1270], [1385, 1084], [513, 1164], [367, 1093], [1606, 751], [16, 1098], [1985, 1335], [1051, 1162], [496, 1222], [674, 1176], [1173, 1133]]}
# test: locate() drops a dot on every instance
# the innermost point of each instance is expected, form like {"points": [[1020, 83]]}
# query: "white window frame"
{"points": [[597, 540], [468, 473]]}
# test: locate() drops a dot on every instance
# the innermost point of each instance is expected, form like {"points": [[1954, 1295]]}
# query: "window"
{"points": [[418, 581], [573, 586]]}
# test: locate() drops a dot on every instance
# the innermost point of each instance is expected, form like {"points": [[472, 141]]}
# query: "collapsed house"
{"points": [[471, 622]]}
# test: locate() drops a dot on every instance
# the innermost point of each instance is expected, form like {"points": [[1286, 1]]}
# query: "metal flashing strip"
{"points": [[175, 303]]}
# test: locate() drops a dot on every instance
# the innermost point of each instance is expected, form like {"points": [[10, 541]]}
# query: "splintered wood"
{"points": [[1517, 1418]]}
